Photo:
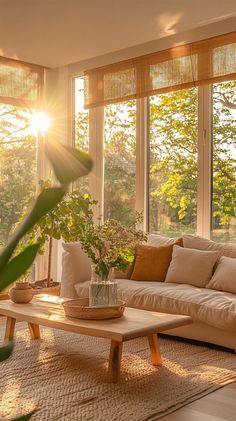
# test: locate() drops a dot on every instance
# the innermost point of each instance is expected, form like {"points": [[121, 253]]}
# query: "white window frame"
{"points": [[204, 166], [204, 161]]}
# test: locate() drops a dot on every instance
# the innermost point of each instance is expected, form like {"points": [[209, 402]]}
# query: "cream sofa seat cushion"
{"points": [[200, 243], [224, 278], [190, 266], [212, 307]]}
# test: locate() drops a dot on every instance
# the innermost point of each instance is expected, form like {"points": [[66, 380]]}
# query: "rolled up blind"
{"points": [[20, 83], [208, 61]]}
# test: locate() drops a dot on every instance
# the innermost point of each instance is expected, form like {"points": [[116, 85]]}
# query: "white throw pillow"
{"points": [[76, 267], [200, 243], [189, 266], [156, 240], [224, 278]]}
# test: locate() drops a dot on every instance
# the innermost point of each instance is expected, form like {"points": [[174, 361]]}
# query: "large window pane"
{"points": [[81, 127], [224, 162], [17, 166], [119, 156], [173, 163]]}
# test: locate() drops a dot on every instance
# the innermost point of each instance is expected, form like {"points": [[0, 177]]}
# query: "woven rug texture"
{"points": [[64, 376]]}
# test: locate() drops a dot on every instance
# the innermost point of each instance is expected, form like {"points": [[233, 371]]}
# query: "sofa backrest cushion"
{"points": [[224, 278], [190, 266], [151, 263], [76, 267], [157, 240], [200, 243]]}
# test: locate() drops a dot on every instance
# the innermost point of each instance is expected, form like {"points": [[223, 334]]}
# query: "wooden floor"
{"points": [[217, 406]]}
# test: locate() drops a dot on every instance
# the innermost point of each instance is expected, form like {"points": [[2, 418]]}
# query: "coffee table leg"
{"points": [[155, 350], [34, 331], [115, 360], [10, 328]]}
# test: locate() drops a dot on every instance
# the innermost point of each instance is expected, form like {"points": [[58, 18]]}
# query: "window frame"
{"points": [[204, 160]]}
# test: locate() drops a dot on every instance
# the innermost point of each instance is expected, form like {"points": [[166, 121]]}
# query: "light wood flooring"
{"points": [[217, 406]]}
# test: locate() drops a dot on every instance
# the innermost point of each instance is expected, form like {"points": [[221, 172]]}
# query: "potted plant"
{"points": [[60, 223], [21, 292]]}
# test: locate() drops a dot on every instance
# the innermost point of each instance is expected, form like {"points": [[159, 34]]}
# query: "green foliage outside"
{"points": [[120, 162], [17, 167], [173, 161]]}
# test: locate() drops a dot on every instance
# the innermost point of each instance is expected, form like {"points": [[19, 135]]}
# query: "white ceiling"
{"points": [[58, 32]]}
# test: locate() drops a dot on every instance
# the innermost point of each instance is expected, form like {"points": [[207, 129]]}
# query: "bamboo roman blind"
{"points": [[20, 83], [209, 61]]}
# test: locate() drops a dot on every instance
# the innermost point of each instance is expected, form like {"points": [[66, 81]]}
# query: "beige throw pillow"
{"points": [[224, 278], [189, 266]]}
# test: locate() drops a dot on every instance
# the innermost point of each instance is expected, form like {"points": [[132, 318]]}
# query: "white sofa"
{"points": [[213, 312]]}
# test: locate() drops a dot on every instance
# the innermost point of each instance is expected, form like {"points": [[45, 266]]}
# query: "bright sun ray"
{"points": [[40, 123]]}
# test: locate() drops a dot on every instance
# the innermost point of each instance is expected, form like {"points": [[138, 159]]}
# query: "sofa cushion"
{"points": [[212, 307], [151, 263], [200, 243], [224, 278], [190, 266], [157, 240], [76, 267]]}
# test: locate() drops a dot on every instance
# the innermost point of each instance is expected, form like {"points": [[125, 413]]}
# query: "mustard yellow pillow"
{"points": [[152, 263]]}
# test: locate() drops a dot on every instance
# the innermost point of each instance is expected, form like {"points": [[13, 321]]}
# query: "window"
{"points": [[169, 144], [120, 161], [173, 162], [17, 166], [224, 162], [81, 127]]}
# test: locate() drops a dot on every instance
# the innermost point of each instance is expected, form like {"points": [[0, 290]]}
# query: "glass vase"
{"points": [[102, 292]]}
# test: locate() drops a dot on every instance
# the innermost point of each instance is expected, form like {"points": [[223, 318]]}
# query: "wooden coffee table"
{"points": [[48, 311]]}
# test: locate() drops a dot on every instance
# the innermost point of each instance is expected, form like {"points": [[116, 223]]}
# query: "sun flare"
{"points": [[40, 123]]}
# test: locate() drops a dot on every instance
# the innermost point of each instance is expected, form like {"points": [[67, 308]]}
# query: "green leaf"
{"points": [[43, 204], [24, 417], [68, 163], [6, 351], [18, 266]]}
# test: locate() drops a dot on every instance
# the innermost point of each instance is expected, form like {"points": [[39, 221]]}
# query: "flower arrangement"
{"points": [[111, 244]]}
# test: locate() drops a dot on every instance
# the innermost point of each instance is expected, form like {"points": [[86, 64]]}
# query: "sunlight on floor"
{"points": [[8, 400]]}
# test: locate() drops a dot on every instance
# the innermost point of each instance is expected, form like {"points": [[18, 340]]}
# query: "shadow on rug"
{"points": [[65, 377]]}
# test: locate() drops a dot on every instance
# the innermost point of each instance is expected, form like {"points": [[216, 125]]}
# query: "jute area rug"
{"points": [[64, 376]]}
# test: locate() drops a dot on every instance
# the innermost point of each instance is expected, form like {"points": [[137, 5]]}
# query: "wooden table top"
{"points": [[48, 311]]}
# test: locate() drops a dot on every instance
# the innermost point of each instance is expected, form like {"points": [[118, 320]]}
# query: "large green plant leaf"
{"points": [[24, 417], [18, 266], [6, 351], [68, 163], [43, 204]]}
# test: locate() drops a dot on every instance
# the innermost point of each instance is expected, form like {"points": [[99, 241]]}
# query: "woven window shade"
{"points": [[20, 83], [203, 62]]}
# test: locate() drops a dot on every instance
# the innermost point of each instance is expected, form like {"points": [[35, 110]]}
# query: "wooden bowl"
{"points": [[80, 309]]}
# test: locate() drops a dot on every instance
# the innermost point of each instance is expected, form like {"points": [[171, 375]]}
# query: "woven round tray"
{"points": [[80, 309]]}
